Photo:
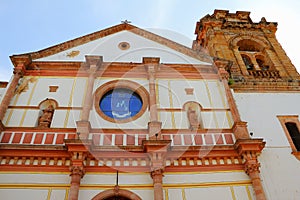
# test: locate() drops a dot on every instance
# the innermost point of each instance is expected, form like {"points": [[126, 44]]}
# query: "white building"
{"points": [[123, 113]]}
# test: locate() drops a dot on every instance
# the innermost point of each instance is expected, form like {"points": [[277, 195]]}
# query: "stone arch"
{"points": [[233, 42], [107, 194]]}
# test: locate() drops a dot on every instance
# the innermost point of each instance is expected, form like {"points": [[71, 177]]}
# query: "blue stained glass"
{"points": [[120, 103]]}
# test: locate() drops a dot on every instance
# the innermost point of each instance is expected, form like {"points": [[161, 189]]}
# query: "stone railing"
{"points": [[185, 139], [113, 139], [35, 138], [264, 73]]}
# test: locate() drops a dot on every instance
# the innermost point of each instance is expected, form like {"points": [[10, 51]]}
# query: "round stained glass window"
{"points": [[120, 103]]}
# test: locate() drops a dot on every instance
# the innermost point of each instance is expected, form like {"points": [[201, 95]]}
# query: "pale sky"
{"points": [[32, 25]]}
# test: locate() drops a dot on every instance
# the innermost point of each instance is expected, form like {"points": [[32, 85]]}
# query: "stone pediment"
{"points": [[120, 43]]}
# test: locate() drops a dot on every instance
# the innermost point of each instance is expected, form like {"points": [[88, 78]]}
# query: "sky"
{"points": [[32, 25]]}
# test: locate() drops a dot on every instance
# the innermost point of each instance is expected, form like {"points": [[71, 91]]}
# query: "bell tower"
{"points": [[259, 63]]}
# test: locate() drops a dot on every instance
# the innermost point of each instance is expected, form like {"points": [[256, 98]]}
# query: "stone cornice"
{"points": [[103, 33]]}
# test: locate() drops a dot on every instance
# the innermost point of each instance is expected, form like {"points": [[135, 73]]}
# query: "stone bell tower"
{"points": [[259, 63]]}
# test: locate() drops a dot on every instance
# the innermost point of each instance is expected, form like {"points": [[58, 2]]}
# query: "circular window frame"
{"points": [[135, 87], [124, 45]]}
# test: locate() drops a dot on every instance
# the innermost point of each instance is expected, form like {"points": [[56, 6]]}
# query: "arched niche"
{"points": [[193, 111], [47, 108]]}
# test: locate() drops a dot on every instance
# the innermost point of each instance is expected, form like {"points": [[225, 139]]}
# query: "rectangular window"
{"points": [[291, 127], [294, 133]]}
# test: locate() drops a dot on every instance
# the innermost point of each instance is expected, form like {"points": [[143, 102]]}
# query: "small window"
{"points": [[291, 125], [294, 134], [247, 62], [261, 63]]}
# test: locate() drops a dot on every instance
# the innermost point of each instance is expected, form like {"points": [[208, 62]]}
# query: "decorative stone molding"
{"points": [[18, 73], [77, 170], [189, 91], [117, 191], [53, 88], [249, 149]]}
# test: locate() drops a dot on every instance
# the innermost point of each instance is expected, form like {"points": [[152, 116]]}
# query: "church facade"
{"points": [[127, 114]]}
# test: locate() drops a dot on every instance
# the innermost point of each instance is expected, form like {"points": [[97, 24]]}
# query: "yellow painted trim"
{"points": [[221, 91], [130, 186], [26, 172], [211, 103], [171, 105], [23, 118], [166, 194], [208, 184], [183, 194], [248, 193], [157, 99], [32, 92], [232, 193], [33, 186], [28, 103], [70, 102], [67, 194], [222, 95], [206, 172], [11, 110], [49, 194], [84, 94], [123, 186], [229, 118]]}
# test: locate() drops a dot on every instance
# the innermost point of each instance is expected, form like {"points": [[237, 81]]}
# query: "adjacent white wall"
{"points": [[279, 168]]}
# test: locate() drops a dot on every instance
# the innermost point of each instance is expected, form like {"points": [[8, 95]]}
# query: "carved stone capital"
{"points": [[249, 148], [151, 65], [18, 72], [252, 166], [77, 170], [223, 66], [92, 63], [157, 175], [157, 151]]}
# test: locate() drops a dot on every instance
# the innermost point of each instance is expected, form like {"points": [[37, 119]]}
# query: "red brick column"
{"points": [[18, 73], [157, 176], [239, 128], [157, 151], [77, 173], [249, 149], [154, 126], [252, 169], [78, 150], [91, 66]]}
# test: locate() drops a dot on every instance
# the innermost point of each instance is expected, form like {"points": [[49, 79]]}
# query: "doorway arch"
{"points": [[113, 193]]}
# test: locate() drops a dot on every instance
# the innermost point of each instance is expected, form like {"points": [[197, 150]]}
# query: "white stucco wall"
{"points": [[2, 91], [71, 91], [279, 168], [177, 186]]}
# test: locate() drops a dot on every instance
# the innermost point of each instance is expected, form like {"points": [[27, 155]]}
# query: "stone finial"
{"points": [[263, 20]]}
